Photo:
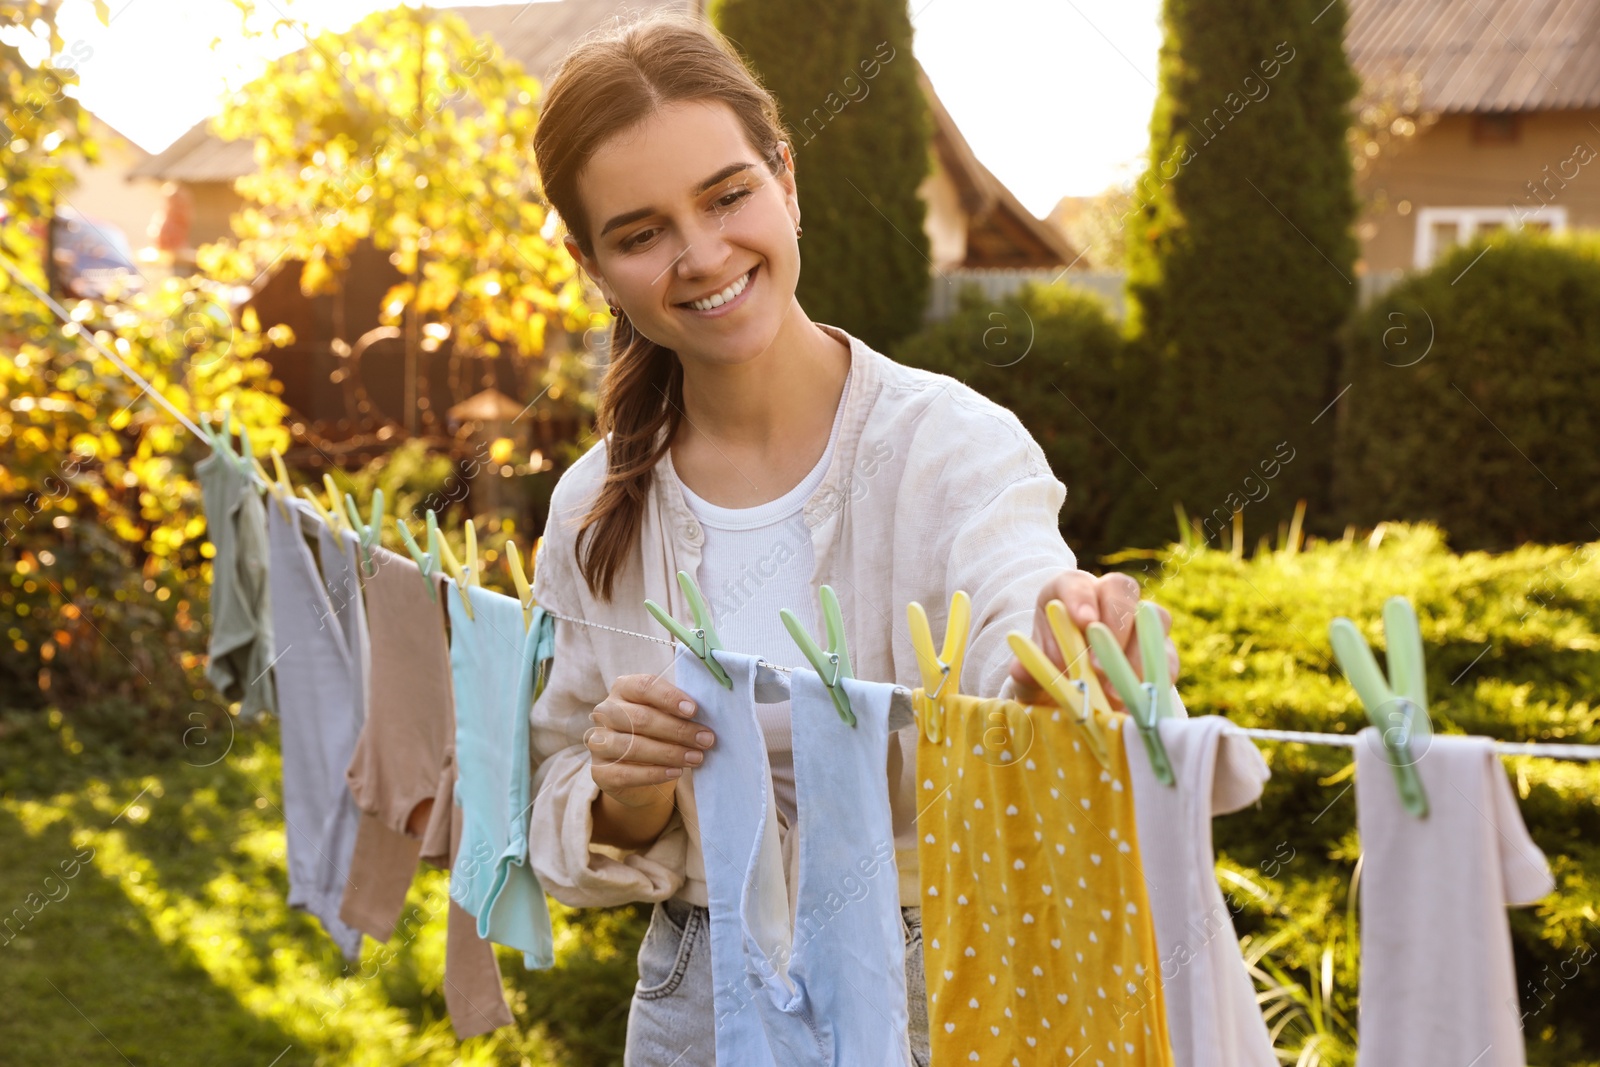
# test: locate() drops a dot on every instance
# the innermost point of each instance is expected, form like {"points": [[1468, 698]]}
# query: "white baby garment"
{"points": [[1212, 1014], [1438, 988]]}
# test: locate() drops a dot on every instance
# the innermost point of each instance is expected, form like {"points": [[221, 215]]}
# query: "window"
{"points": [[1441, 228], [1503, 127]]}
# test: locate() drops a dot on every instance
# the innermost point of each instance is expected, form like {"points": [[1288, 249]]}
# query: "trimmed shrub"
{"points": [[1240, 257], [1509, 642], [1054, 357], [1474, 397], [846, 84]]}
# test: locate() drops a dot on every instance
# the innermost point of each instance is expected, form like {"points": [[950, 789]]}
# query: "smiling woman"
{"points": [[731, 422]]}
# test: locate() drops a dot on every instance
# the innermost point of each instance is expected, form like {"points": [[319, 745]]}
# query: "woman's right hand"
{"points": [[644, 735]]}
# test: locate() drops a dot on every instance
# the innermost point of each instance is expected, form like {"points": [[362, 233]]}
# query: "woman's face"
{"points": [[682, 211]]}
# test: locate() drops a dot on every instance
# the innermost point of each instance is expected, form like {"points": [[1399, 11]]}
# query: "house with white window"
{"points": [[1511, 94]]}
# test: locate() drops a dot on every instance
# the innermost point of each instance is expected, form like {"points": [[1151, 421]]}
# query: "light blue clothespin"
{"points": [[833, 665], [702, 640], [1393, 704], [369, 534], [427, 562], [1148, 701]]}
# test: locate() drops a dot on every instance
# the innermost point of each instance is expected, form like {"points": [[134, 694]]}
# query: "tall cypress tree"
{"points": [[1241, 264], [846, 83]]}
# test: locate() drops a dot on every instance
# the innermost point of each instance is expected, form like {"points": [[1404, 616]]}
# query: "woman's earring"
{"points": [[615, 309], [799, 232]]}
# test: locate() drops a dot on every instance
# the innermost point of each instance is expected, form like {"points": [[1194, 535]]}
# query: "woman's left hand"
{"points": [[1111, 599]]}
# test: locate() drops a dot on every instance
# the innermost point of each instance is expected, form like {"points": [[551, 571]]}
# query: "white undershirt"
{"points": [[753, 562]]}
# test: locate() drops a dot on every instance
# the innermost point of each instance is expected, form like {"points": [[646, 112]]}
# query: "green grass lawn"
{"points": [[146, 894], [148, 926]]}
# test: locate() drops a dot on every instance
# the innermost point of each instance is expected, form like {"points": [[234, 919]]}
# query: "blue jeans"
{"points": [[671, 1022]]}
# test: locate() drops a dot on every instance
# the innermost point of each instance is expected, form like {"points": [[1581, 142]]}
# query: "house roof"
{"points": [[1481, 55], [537, 35], [1003, 233]]}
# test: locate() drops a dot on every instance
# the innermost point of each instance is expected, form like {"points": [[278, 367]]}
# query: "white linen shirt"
{"points": [[932, 488]]}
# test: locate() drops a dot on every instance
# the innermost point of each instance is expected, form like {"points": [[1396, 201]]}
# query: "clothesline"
{"points": [[1504, 748], [1540, 749]]}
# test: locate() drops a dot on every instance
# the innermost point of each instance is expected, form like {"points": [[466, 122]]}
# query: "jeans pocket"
{"points": [[665, 952]]}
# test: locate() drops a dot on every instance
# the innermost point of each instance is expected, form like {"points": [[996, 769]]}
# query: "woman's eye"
{"points": [[730, 199], [635, 240]]}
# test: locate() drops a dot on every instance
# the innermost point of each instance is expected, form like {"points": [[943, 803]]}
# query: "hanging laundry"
{"points": [[1211, 1002], [1437, 981], [403, 770], [826, 985], [241, 646], [494, 660], [320, 674], [1038, 938]]}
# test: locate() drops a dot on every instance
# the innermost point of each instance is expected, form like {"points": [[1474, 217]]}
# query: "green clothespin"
{"points": [[1396, 706], [1148, 701], [427, 562], [702, 640], [832, 665], [220, 438], [368, 533]]}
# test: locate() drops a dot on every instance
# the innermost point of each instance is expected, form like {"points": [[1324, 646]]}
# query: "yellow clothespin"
{"points": [[519, 578], [271, 486], [941, 672], [1081, 693], [335, 509], [463, 575], [316, 505]]}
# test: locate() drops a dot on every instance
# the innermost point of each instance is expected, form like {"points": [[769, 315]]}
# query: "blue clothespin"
{"points": [[1396, 706], [1148, 701], [369, 534], [832, 665], [427, 562], [702, 640]]}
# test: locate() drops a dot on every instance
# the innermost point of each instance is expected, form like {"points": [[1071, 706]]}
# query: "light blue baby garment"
{"points": [[493, 663], [826, 989]]}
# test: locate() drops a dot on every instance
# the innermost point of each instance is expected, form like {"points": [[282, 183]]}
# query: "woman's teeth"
{"points": [[718, 299]]}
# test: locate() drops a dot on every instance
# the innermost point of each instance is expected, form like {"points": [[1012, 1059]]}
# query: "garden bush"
{"points": [[1510, 643], [1474, 397], [1055, 357]]}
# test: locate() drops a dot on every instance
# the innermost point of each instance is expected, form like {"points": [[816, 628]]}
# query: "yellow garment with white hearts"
{"points": [[1038, 941]]}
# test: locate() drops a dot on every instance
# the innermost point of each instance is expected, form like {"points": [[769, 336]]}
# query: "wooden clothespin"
{"points": [[833, 665], [519, 578], [427, 562], [1148, 701], [941, 671], [1075, 688], [1396, 706], [702, 640]]}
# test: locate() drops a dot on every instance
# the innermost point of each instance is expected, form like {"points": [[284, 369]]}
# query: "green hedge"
{"points": [[1054, 357], [1510, 644], [1474, 396]]}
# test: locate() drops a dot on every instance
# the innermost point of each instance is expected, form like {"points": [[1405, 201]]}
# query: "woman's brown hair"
{"points": [[605, 85]]}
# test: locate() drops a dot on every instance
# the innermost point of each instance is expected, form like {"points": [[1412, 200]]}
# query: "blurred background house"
{"points": [[979, 232], [1509, 91]]}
